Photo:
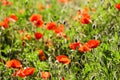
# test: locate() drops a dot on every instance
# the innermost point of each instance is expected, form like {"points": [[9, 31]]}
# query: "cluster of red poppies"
{"points": [[5, 2], [38, 22], [84, 47], [23, 72], [58, 29], [11, 18], [20, 72]]}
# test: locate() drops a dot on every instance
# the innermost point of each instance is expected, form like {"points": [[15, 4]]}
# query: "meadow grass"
{"points": [[101, 63]]}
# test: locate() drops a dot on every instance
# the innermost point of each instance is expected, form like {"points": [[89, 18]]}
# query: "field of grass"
{"points": [[59, 39]]}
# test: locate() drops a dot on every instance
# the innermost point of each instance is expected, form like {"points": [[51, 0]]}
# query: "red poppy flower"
{"points": [[37, 20], [41, 53], [63, 59], [13, 18], [51, 26], [6, 3], [84, 48], [85, 20], [117, 6], [13, 64], [38, 23], [19, 73], [1, 23], [45, 75], [28, 71], [85, 17], [24, 72], [35, 17], [63, 1], [38, 35], [27, 36], [59, 29], [74, 45], [5, 23], [62, 78], [93, 43], [85, 10], [42, 58]]}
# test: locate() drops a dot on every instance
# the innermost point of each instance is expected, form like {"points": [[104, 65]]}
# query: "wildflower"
{"points": [[6, 3], [63, 59], [27, 36], [59, 29], [13, 18], [45, 75], [24, 35], [85, 11], [92, 43], [13, 64], [42, 58], [117, 6], [1, 23], [28, 71], [38, 35], [38, 23], [41, 55], [19, 73], [74, 45], [5, 23], [62, 78], [63, 1], [84, 48], [76, 17], [85, 17], [85, 20], [37, 20], [35, 17], [41, 7], [89, 45], [24, 72], [51, 26]]}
